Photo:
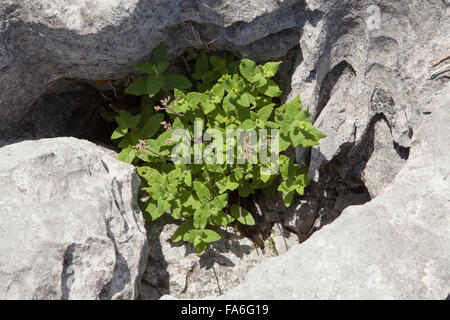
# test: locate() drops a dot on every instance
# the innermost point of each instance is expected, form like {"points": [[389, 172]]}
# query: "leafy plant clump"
{"points": [[221, 94]]}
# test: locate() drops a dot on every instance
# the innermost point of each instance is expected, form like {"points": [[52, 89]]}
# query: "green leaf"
{"points": [[252, 72], [227, 183], [208, 107], [245, 100], [221, 219], [200, 217], [147, 111], [162, 208], [191, 235], [288, 169], [202, 191], [199, 245], [270, 89], [187, 178], [245, 189], [201, 65], [135, 136], [302, 177], [313, 131], [127, 155], [305, 135], [210, 236], [218, 203], [127, 121], [263, 101], [247, 125], [159, 54], [192, 202], [137, 88], [287, 198], [300, 190], [271, 68], [146, 67], [229, 103], [195, 98], [127, 141], [264, 113], [233, 67], [285, 142], [154, 84], [119, 133], [165, 142], [217, 92], [242, 215], [287, 188], [150, 174], [178, 81], [182, 230], [218, 63], [154, 69], [162, 66], [152, 126], [178, 124]]}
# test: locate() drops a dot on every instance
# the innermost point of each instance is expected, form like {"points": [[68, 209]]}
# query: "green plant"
{"points": [[228, 94], [271, 244]]}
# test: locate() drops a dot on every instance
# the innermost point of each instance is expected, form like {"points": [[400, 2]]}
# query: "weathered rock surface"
{"points": [[364, 70], [175, 269], [361, 64], [357, 64], [41, 41], [395, 247], [67, 109], [70, 227]]}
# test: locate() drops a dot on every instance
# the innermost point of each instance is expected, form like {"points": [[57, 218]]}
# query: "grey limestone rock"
{"points": [[70, 225], [175, 269], [363, 60], [394, 247], [42, 41]]}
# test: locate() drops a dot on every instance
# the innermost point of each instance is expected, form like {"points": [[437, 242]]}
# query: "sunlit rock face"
{"points": [[70, 224]]}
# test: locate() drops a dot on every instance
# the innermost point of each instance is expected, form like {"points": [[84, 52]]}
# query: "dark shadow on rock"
{"points": [[228, 244], [102, 61], [75, 113], [11, 141], [51, 53], [155, 281], [340, 182], [121, 274], [328, 84], [67, 272]]}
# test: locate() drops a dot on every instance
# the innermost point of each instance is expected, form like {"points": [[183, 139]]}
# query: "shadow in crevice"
{"points": [[339, 186], [329, 82], [75, 112], [284, 76], [67, 274], [114, 50], [403, 152], [157, 279], [121, 274]]}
